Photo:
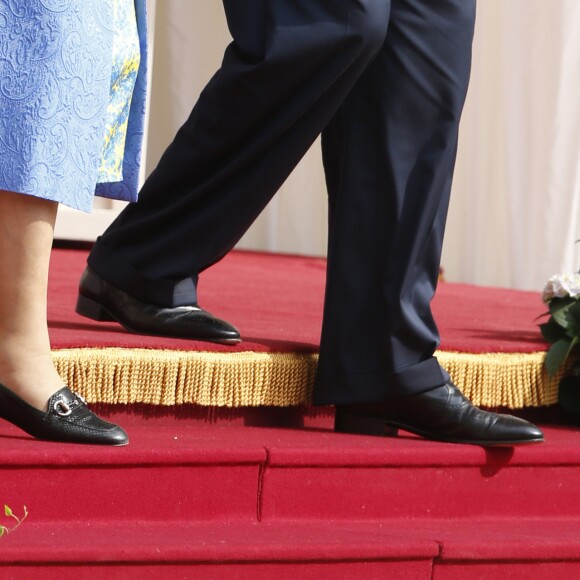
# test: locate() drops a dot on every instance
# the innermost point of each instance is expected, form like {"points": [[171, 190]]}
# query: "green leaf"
{"points": [[3, 531], [575, 308], [557, 304], [557, 355], [561, 315], [7, 511], [573, 317], [569, 395], [559, 309], [551, 331]]}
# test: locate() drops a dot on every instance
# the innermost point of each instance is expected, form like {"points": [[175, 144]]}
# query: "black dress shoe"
{"points": [[67, 419], [441, 414], [99, 300]]}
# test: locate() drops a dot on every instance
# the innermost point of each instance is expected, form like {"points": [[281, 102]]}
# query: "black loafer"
{"points": [[67, 420], [441, 414], [99, 300]]}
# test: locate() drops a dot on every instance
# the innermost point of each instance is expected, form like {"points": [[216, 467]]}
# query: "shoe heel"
{"points": [[93, 310], [345, 422]]}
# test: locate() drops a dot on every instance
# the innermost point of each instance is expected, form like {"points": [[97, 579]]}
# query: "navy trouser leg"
{"points": [[389, 155], [389, 148], [289, 69]]}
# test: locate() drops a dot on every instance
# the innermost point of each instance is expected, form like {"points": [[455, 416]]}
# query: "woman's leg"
{"points": [[32, 394], [26, 367]]}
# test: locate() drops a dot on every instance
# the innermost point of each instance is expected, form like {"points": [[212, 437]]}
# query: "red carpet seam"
{"points": [[261, 475]]}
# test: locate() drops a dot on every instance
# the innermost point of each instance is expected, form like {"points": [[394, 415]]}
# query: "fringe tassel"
{"points": [[510, 380], [169, 377], [248, 379]]}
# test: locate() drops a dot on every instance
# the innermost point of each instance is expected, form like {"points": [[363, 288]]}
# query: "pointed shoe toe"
{"points": [[511, 430]]}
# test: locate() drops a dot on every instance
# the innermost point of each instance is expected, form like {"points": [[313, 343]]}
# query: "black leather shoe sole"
{"points": [[67, 419], [345, 422], [100, 301]]}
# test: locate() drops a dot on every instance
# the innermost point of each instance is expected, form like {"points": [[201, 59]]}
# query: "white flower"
{"points": [[561, 286]]}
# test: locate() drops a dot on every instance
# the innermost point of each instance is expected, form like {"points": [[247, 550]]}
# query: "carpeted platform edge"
{"points": [[251, 379]]}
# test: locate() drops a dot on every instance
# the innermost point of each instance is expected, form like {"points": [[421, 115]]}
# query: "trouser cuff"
{"points": [[376, 387], [114, 269]]}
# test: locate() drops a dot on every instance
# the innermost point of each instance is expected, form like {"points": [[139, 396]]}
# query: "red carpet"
{"points": [[276, 302], [186, 500], [204, 497]]}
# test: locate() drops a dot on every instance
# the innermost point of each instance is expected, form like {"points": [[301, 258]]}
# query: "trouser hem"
{"points": [[378, 387], [114, 269]]}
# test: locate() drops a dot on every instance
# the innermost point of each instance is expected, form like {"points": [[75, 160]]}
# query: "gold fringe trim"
{"points": [[510, 380], [169, 377]]}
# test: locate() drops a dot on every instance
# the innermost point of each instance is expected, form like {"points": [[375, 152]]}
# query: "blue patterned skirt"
{"points": [[67, 73]]}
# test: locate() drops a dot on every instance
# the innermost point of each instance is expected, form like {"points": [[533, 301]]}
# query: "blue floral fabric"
{"points": [[125, 66], [58, 126], [128, 188]]}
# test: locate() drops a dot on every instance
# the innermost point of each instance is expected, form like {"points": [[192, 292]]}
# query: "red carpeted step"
{"points": [[345, 476], [190, 473], [222, 550], [518, 549], [190, 501], [411, 549], [166, 473]]}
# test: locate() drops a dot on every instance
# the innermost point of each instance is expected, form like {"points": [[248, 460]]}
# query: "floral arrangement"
{"points": [[562, 330]]}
